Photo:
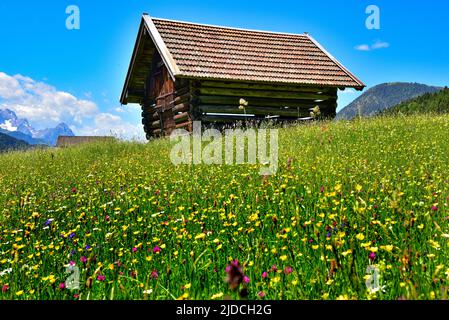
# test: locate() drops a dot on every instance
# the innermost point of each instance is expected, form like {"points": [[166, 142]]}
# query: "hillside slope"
{"points": [[382, 97], [10, 143], [428, 103]]}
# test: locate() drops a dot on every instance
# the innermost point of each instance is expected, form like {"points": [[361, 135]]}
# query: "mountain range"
{"points": [[382, 97], [21, 129]]}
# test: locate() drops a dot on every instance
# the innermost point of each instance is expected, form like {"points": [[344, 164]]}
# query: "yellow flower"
{"points": [[19, 293], [325, 296], [346, 253], [329, 282], [387, 248], [149, 258], [217, 296], [184, 296], [187, 286], [360, 237], [200, 236], [283, 258], [111, 267]]}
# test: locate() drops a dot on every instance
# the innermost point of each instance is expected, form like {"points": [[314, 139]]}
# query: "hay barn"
{"points": [[67, 141], [183, 72]]}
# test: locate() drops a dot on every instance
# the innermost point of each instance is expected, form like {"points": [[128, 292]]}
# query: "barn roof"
{"points": [[193, 50]]}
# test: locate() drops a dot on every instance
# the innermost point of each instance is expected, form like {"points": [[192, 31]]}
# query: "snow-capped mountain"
{"points": [[17, 128]]}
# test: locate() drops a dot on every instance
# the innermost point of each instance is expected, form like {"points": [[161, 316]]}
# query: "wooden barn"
{"points": [[183, 72], [70, 141]]}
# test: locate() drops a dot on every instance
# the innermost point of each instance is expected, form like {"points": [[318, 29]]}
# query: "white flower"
{"points": [[5, 272], [150, 291]]}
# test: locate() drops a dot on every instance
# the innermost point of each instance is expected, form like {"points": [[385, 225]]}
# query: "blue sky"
{"points": [[84, 70]]}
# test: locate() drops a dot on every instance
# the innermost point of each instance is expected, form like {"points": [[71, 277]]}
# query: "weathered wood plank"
{"points": [[297, 112], [181, 117], [261, 86], [245, 93], [227, 100]]}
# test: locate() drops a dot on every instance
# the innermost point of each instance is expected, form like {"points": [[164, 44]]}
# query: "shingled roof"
{"points": [[212, 52]]}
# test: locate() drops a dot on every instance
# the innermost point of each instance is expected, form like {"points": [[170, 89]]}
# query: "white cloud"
{"points": [[363, 47], [380, 45], [347, 91], [44, 106], [375, 46]]}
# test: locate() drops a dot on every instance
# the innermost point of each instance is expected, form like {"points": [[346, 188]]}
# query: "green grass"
{"points": [[350, 189]]}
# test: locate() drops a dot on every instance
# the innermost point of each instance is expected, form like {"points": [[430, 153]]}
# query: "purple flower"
{"points": [[72, 263], [156, 249], [134, 249], [328, 235], [246, 279], [83, 259], [72, 252], [48, 222], [72, 235], [154, 274], [101, 278], [62, 286], [234, 275], [264, 274], [372, 256], [87, 247]]}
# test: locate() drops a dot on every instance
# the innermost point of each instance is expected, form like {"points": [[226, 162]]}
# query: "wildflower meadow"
{"points": [[352, 203]]}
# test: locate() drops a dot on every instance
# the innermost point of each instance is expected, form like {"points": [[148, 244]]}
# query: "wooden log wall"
{"points": [[177, 104], [167, 108], [280, 102]]}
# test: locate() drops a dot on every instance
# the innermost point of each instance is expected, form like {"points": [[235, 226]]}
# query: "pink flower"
{"points": [[264, 275], [156, 249], [246, 279], [434, 208], [274, 268], [74, 190], [5, 288], [288, 270], [372, 256], [261, 294], [62, 286], [101, 278], [76, 296], [83, 259], [72, 263], [134, 249], [107, 218], [154, 274]]}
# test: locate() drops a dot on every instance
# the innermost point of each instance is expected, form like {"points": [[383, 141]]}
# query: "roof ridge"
{"points": [[233, 28]]}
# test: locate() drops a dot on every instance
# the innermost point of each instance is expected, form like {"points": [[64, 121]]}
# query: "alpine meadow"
{"points": [[347, 195]]}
